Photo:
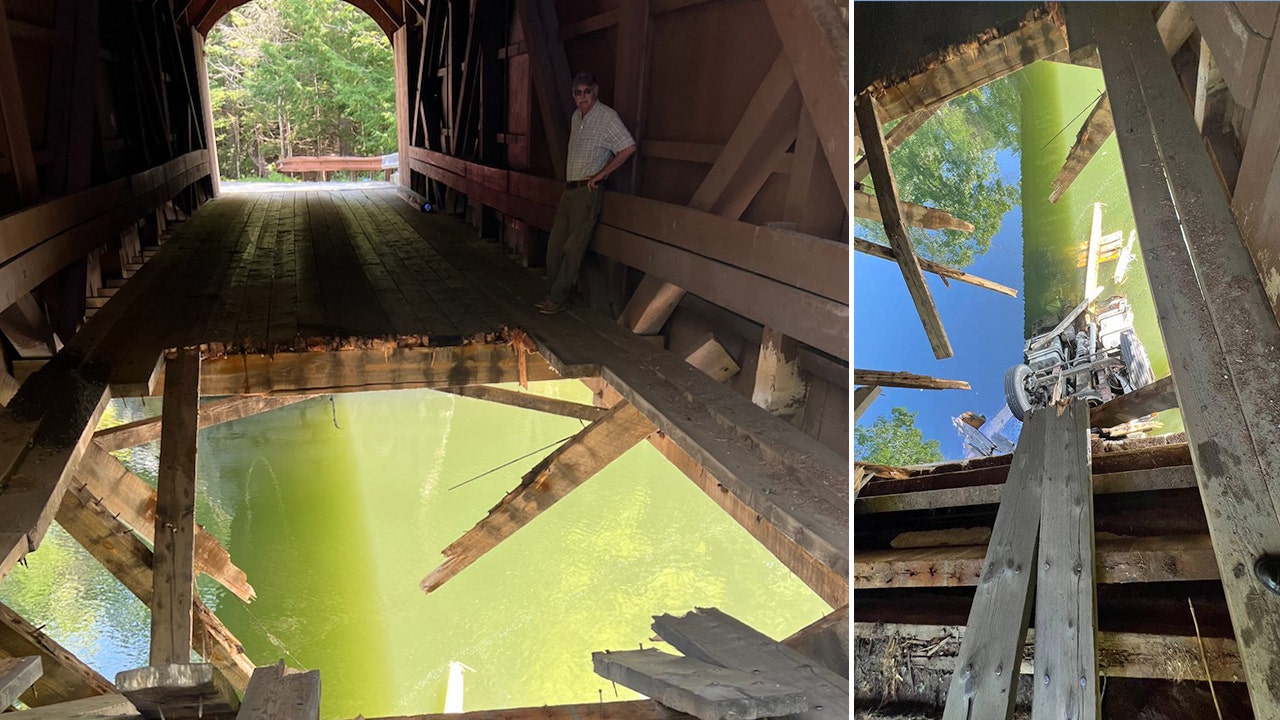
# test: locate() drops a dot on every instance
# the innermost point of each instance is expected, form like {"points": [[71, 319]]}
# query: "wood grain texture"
{"points": [[17, 675], [65, 677], [178, 690], [278, 693], [887, 253], [882, 378]]}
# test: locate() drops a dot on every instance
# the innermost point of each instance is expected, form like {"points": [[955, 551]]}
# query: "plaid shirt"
{"points": [[594, 140]]}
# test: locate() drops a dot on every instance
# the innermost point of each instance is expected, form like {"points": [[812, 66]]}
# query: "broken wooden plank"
{"points": [[650, 305], [779, 387], [825, 640], [279, 693], [129, 497], [895, 137], [862, 399], [1159, 395], [572, 464], [175, 691], [175, 533], [708, 692], [887, 197], [216, 412], [1120, 654], [17, 675], [123, 554], [64, 676], [529, 401], [711, 358], [98, 707], [866, 206], [709, 635], [1096, 129], [1066, 600], [1217, 324], [887, 253], [882, 378], [983, 683]]}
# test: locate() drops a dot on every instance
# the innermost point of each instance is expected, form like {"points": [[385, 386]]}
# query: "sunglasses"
{"points": [[582, 92]]}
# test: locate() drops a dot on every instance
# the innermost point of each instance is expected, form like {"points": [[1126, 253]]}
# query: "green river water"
{"points": [[337, 507], [1056, 99]]}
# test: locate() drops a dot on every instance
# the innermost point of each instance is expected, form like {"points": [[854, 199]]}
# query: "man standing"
{"points": [[598, 144]]}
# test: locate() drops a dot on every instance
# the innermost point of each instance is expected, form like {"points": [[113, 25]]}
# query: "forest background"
{"points": [[298, 77]]}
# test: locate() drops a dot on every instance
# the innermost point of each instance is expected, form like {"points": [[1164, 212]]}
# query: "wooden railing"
{"points": [[789, 280], [329, 163], [38, 241]]}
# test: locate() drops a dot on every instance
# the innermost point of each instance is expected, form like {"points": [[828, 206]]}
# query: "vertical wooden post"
{"points": [[779, 387], [174, 564], [551, 78], [399, 50], [631, 82], [13, 119], [206, 105]]}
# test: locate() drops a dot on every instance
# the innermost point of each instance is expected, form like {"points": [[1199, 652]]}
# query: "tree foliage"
{"points": [[299, 77], [895, 440], [949, 163]]}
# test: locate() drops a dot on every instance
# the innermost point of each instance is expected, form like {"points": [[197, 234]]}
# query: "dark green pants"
{"points": [[575, 223]]}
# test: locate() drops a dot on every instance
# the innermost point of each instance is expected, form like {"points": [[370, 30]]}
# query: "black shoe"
{"points": [[1267, 570]]}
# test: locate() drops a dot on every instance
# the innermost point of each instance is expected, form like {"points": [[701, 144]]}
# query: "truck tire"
{"points": [[1015, 391], [1135, 359]]}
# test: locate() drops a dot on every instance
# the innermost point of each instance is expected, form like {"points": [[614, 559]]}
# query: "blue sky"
{"points": [[984, 327]]}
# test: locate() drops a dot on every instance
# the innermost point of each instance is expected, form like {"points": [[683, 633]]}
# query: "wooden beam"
{"points": [[17, 674], [962, 68], [529, 401], [141, 432], [811, 201], [1174, 25], [175, 533], [1066, 598], [816, 41], [711, 358], [13, 118], [279, 693], [887, 197], [634, 19], [320, 373], [1159, 395], [1208, 79], [706, 691], [779, 387], [825, 640], [906, 380], [1120, 655], [709, 635], [1096, 129], [887, 253], [650, 306], [65, 677], [1217, 323], [984, 683], [895, 137], [862, 399], [572, 464], [178, 690], [551, 75], [609, 710], [129, 497], [98, 707], [124, 555], [866, 205]]}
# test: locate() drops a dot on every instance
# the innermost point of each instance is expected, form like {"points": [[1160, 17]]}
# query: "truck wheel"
{"points": [[1015, 391], [1135, 359]]}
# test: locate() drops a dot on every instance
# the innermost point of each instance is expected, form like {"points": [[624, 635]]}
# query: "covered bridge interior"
{"points": [[1077, 577], [712, 317]]}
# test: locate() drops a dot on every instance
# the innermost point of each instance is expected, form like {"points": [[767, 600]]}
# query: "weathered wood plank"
{"points": [[887, 197], [779, 387], [1098, 126], [887, 253], [98, 707], [279, 693], [706, 691], [1218, 327], [709, 635], [866, 205], [1239, 51], [862, 399], [1121, 655], [649, 307], [572, 464], [551, 75], [1119, 560], [1159, 395], [17, 674], [141, 432], [64, 676], [129, 498], [982, 685], [175, 532], [529, 401], [816, 41], [825, 640], [883, 378], [178, 690], [711, 358], [1065, 592]]}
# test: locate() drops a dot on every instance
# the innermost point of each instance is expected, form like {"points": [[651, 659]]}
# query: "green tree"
{"points": [[950, 163], [895, 440]]}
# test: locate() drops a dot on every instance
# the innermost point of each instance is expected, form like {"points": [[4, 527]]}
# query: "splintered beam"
{"points": [[133, 501], [906, 380], [64, 677], [529, 401], [869, 248], [865, 206], [213, 413], [1096, 129], [564, 470], [887, 196]]}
